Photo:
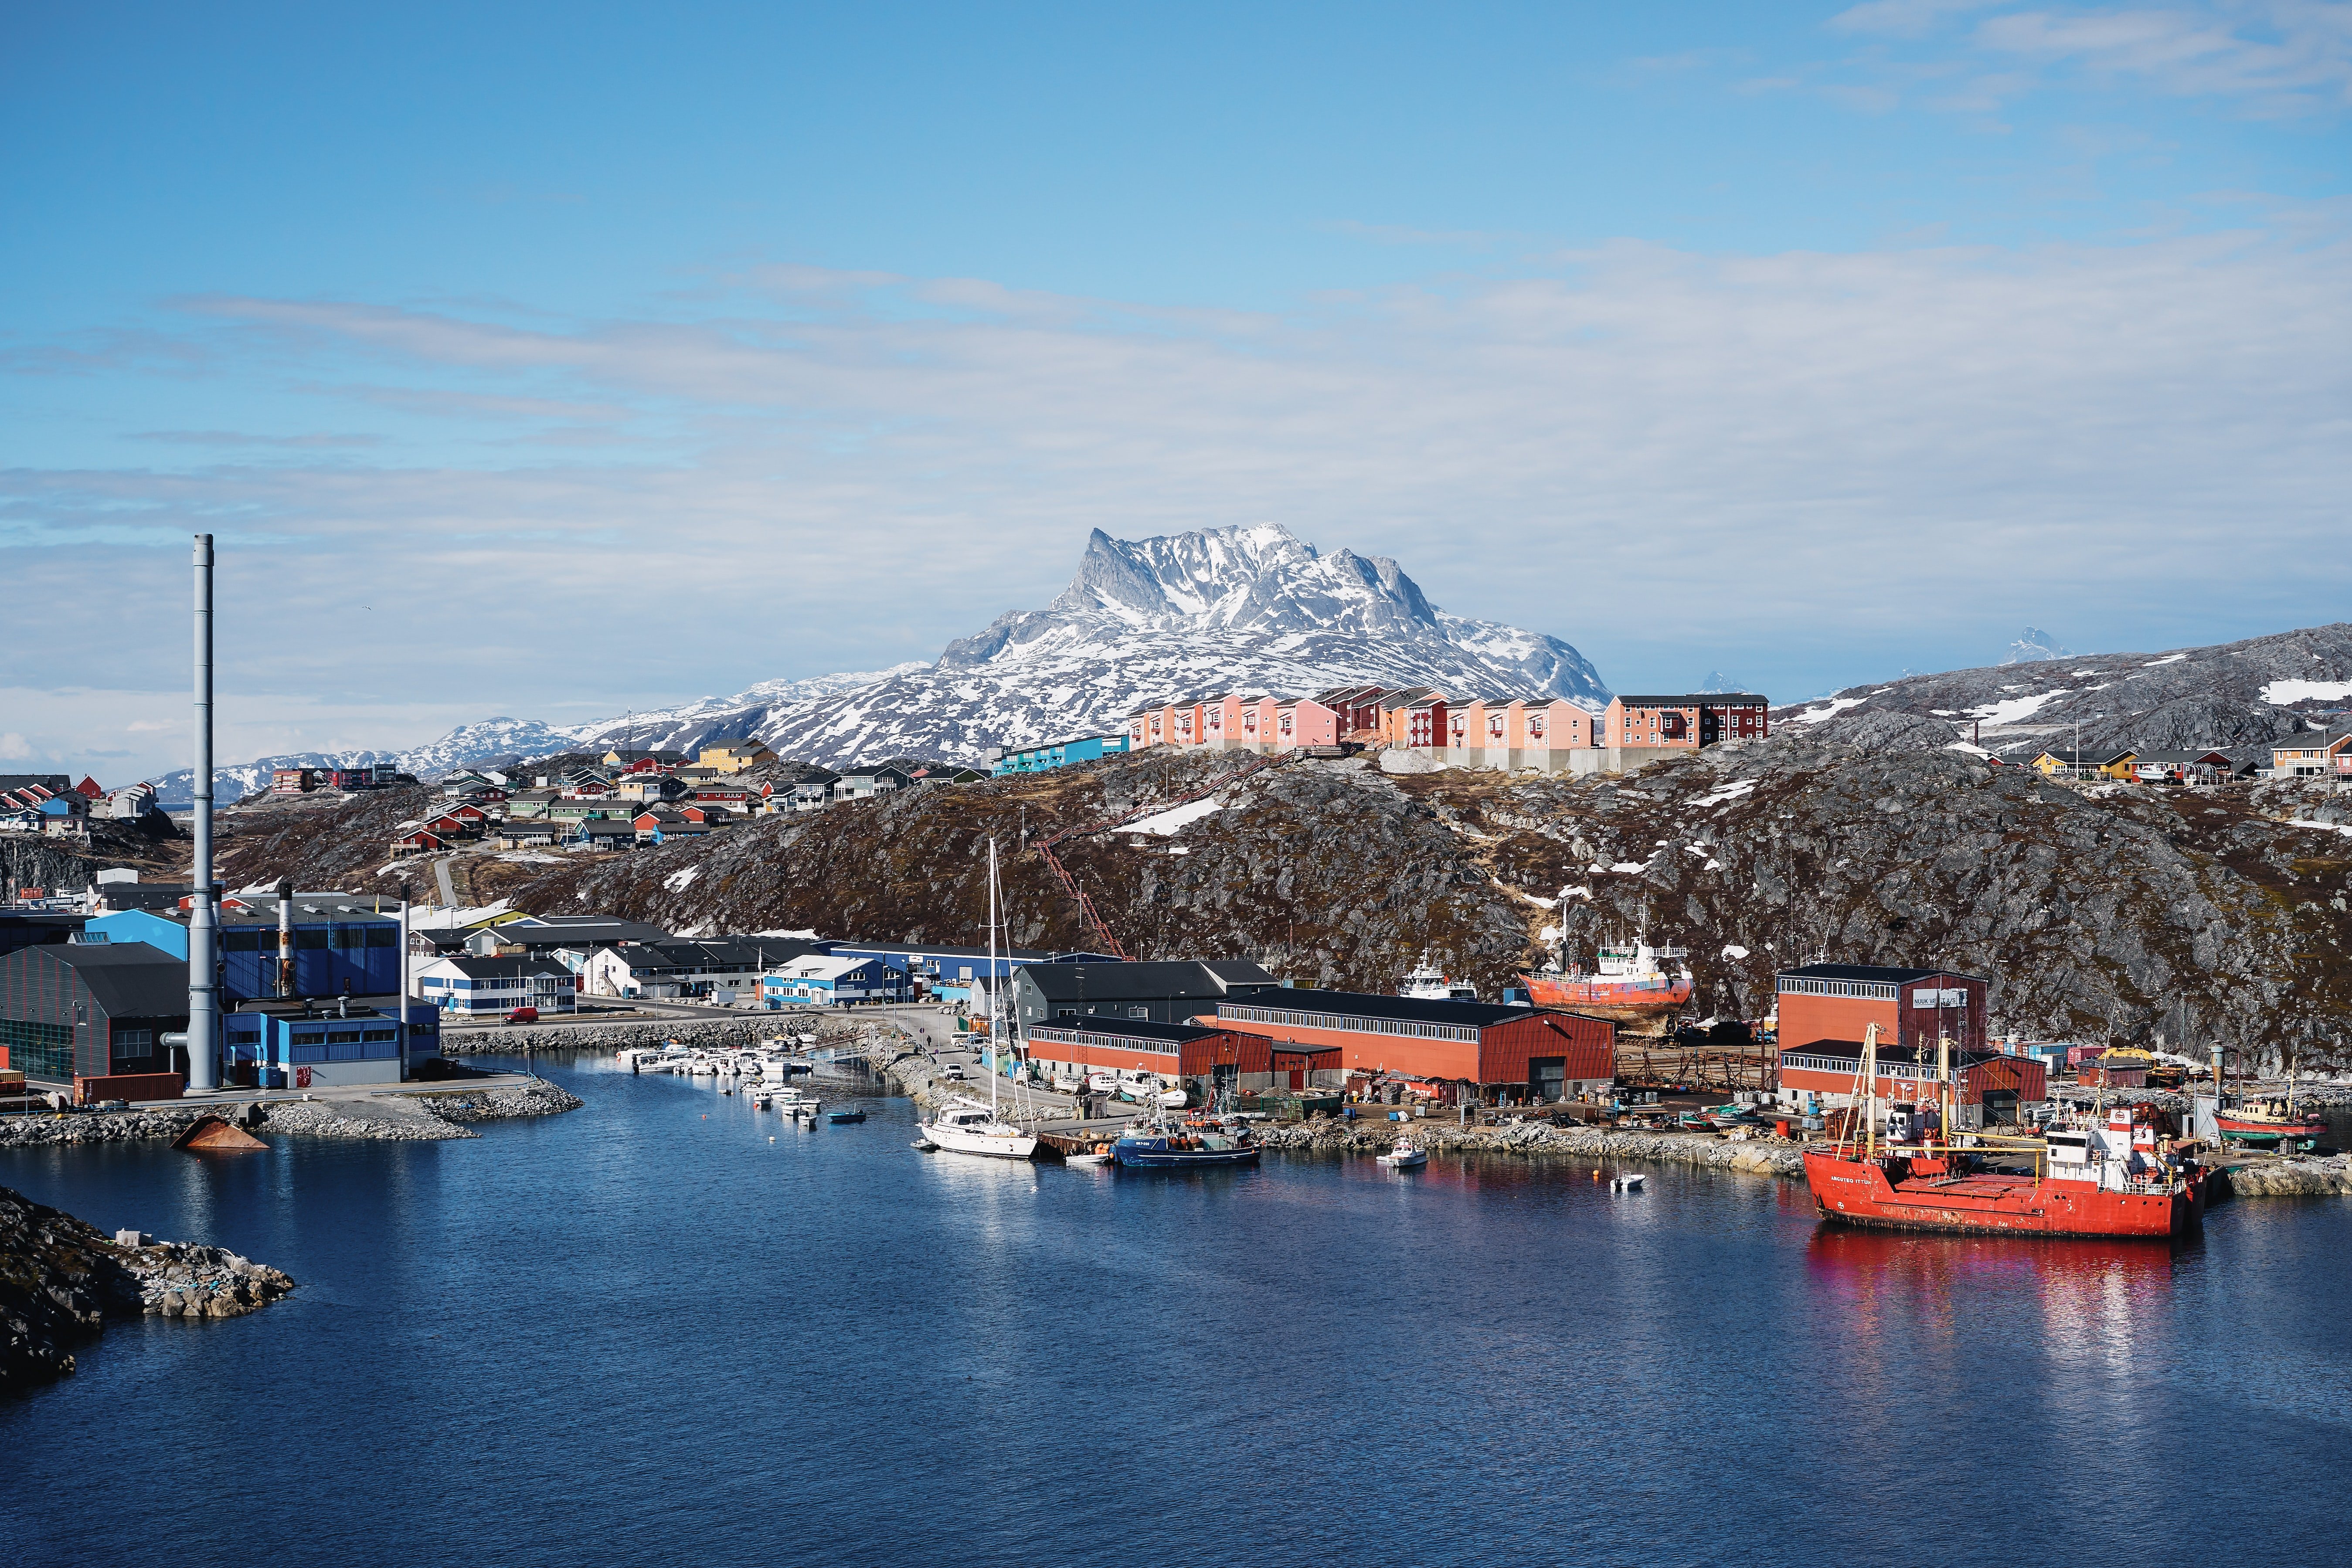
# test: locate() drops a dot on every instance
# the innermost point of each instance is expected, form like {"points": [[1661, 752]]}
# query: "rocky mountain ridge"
{"points": [[2235, 695], [2163, 915]]}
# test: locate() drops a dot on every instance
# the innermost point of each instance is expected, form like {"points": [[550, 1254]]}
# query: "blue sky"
{"points": [[1809, 343]]}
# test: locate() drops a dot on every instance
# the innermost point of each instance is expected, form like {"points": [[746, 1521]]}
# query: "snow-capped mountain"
{"points": [[463, 747], [1144, 619], [2036, 647], [707, 719], [1225, 609]]}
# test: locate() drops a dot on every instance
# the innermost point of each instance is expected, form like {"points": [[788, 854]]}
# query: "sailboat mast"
{"points": [[995, 981]]}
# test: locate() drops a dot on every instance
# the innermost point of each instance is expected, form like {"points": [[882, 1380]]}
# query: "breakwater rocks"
{"points": [[423, 1117], [1540, 1140], [705, 1033], [61, 1279], [2329, 1178]]}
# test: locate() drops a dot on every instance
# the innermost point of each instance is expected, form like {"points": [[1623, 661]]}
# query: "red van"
{"points": [[523, 1015]]}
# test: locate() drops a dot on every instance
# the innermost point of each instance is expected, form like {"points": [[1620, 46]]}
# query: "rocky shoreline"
{"points": [[751, 1028], [426, 1115], [61, 1280], [1760, 1157]]}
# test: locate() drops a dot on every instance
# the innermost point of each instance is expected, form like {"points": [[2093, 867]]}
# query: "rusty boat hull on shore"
{"points": [[1858, 1192], [1606, 999]]}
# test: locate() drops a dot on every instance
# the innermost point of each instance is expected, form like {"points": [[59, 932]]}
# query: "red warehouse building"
{"points": [[1910, 1006], [1991, 1088], [1550, 1056], [1131, 1046]]}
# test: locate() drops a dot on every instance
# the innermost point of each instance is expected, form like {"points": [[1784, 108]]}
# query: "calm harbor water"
{"points": [[643, 1333]]}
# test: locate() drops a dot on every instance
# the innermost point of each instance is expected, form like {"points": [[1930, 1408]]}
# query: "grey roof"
{"points": [[1135, 1028], [522, 963], [55, 783], [1692, 699], [128, 979], [578, 931], [1369, 1004], [1875, 973], [1124, 982]]}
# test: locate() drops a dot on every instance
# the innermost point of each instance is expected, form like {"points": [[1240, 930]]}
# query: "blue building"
{"points": [[341, 948], [1059, 754], [942, 967], [818, 981], [279, 1045]]}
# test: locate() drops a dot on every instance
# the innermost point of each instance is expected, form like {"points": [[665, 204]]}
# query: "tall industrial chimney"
{"points": [[203, 919], [284, 936]]}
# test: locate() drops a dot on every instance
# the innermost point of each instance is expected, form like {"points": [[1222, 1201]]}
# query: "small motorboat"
{"points": [[923, 1144], [842, 1118], [1630, 1182], [1092, 1158], [1406, 1155]]}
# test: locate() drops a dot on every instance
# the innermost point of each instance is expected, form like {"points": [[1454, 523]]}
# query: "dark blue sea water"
{"points": [[643, 1333]]}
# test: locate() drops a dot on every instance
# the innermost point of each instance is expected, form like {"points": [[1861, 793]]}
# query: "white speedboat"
{"points": [[1089, 1161], [1406, 1155], [1631, 1182]]}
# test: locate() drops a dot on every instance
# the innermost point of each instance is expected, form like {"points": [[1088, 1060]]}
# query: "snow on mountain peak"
{"points": [[1147, 620]]}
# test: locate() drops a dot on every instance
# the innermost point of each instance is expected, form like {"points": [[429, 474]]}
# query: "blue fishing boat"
{"points": [[842, 1118], [1165, 1148]]}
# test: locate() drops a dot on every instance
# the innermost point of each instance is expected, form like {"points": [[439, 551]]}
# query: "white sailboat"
{"points": [[963, 1125]]}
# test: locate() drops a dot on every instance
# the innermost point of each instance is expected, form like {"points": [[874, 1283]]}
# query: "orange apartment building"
{"points": [[1553, 734], [1320, 1036]]}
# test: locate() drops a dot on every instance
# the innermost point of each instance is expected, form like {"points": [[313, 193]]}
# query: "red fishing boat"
{"points": [[2115, 1179], [1628, 983]]}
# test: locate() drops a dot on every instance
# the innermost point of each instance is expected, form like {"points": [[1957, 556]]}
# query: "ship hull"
{"points": [[1856, 1192], [1625, 1003], [1155, 1156]]}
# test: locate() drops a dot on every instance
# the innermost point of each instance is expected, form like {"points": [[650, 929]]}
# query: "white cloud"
{"points": [[823, 478], [2275, 58], [14, 747]]}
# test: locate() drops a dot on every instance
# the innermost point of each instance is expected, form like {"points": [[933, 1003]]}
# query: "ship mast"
{"points": [[995, 981]]}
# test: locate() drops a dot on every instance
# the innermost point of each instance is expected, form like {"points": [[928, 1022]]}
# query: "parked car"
{"points": [[953, 1070], [523, 1015]]}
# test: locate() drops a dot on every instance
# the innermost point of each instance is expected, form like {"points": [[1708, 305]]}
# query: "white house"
{"points": [[683, 968], [470, 985]]}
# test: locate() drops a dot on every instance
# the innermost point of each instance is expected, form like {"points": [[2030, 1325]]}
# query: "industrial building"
{"points": [[1992, 1089], [94, 1015], [1172, 992], [341, 947], [1910, 1006], [1502, 1051], [1133, 1048]]}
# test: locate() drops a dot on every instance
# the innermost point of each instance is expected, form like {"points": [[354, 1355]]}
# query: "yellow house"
{"points": [[735, 756], [2084, 763]]}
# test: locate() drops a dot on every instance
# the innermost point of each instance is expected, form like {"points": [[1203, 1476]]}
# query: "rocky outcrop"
{"points": [[61, 1279], [748, 1028], [419, 1117], [1535, 1139], [2328, 1177], [2165, 916]]}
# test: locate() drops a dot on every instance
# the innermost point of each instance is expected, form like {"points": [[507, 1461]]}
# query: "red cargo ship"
{"points": [[2111, 1180]]}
